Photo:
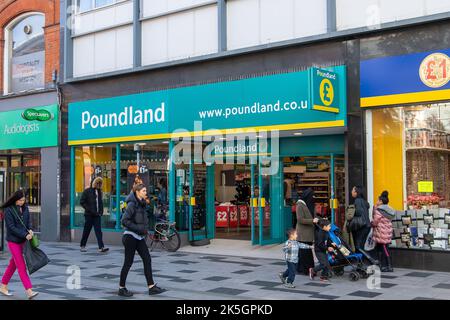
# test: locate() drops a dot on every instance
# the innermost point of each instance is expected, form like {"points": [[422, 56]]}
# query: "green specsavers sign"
{"points": [[29, 128]]}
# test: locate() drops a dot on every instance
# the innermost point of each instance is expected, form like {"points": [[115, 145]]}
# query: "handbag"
{"points": [[34, 241], [35, 258], [350, 212], [369, 245], [355, 224]]}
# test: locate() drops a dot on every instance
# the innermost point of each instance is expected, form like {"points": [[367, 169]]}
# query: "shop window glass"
{"points": [[411, 159], [92, 162], [101, 3], [27, 60], [87, 5], [146, 163]]}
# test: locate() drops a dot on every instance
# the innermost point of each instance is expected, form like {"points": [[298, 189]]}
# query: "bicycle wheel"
{"points": [[173, 242]]}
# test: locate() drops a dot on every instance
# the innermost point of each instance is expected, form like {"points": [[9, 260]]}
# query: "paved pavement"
{"points": [[205, 277]]}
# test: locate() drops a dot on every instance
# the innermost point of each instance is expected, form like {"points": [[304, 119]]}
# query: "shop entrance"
{"points": [[234, 188], [246, 202], [22, 170], [325, 176]]}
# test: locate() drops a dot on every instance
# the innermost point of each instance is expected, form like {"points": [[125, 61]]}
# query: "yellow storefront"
{"points": [[407, 121]]}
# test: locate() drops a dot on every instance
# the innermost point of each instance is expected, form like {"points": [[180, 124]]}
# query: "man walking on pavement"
{"points": [[92, 203]]}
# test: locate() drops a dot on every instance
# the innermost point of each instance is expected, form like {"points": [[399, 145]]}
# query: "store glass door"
{"points": [[267, 213], [25, 174], [201, 210]]}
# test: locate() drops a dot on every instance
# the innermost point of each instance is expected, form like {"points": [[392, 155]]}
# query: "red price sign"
{"points": [[222, 217], [233, 216], [245, 216]]}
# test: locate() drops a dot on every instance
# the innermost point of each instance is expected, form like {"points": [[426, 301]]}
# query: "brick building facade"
{"points": [[13, 9]]}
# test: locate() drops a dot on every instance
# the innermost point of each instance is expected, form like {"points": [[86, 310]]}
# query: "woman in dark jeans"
{"points": [[135, 222], [362, 210]]}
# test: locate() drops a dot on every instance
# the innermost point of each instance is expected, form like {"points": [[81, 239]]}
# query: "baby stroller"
{"points": [[343, 256]]}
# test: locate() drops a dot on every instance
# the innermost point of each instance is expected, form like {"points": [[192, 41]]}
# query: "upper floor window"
{"points": [[86, 5], [25, 61]]}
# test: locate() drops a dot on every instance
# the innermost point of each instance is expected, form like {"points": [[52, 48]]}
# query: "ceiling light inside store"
{"points": [[298, 133]]}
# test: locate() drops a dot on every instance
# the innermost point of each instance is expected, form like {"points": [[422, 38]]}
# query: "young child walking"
{"points": [[322, 245], [290, 249]]}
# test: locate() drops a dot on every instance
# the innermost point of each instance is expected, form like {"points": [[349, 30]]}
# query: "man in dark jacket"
{"points": [[92, 203]]}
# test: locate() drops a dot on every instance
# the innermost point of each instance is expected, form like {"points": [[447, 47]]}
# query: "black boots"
{"points": [[389, 267], [386, 264]]}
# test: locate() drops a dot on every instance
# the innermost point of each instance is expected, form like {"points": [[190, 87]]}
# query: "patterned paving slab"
{"points": [[205, 277]]}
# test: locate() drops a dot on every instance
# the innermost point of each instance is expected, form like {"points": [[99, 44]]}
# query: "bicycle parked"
{"points": [[164, 231]]}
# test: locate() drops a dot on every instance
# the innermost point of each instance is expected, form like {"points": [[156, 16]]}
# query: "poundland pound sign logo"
{"points": [[435, 70], [39, 115]]}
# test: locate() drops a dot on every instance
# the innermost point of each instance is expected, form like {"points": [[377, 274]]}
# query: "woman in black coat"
{"points": [[135, 223], [361, 210]]}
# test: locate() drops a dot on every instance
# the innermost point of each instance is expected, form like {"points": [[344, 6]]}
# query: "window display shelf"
{"points": [[312, 185], [427, 149], [428, 129]]}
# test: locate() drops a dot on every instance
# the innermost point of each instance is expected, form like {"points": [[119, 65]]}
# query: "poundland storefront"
{"points": [[232, 156]]}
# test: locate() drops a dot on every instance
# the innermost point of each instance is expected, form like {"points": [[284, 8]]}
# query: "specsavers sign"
{"points": [[29, 128], [313, 98]]}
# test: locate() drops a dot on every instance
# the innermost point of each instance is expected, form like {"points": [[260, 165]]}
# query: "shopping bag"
{"points": [[370, 243], [348, 239], [35, 258]]}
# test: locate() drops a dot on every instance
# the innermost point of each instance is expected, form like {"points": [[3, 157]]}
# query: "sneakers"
{"points": [[83, 249], [289, 285], [124, 292], [283, 279], [102, 250], [312, 274], [155, 290], [32, 295], [5, 292], [324, 279]]}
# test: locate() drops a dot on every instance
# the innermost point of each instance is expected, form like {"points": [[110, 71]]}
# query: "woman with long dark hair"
{"points": [[135, 223], [362, 213], [17, 220]]}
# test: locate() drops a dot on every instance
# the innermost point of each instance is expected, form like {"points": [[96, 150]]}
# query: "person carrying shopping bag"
{"points": [[359, 225], [383, 215], [305, 230], [17, 218], [136, 223]]}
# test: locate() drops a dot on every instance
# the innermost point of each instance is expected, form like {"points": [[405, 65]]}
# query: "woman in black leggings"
{"points": [[135, 223], [361, 210]]}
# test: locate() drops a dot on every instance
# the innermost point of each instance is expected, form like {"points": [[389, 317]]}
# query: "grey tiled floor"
{"points": [[206, 277]]}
